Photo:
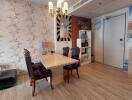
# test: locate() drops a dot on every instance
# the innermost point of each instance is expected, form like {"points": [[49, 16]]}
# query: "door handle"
{"points": [[121, 39]]}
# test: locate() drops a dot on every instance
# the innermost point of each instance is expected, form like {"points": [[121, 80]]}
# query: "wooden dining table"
{"points": [[55, 63]]}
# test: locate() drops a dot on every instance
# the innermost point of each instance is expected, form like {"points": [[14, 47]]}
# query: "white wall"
{"points": [[98, 39], [98, 30], [60, 45]]}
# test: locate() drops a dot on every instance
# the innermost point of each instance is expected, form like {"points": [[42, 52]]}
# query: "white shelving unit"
{"points": [[84, 43]]}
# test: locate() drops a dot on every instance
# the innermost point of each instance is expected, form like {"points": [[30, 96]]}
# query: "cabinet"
{"points": [[130, 61], [79, 23], [84, 43]]}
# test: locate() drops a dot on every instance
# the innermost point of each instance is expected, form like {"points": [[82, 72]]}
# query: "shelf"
{"points": [[84, 39], [85, 54], [85, 47]]}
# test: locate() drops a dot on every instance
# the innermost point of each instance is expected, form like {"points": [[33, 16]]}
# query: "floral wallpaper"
{"points": [[23, 24]]}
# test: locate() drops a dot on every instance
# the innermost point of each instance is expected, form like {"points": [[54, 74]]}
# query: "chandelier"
{"points": [[60, 8]]}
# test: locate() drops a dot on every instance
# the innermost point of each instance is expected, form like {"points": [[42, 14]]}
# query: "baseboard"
{"points": [[21, 72]]}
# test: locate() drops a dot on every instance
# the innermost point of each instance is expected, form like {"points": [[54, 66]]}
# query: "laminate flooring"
{"points": [[97, 82]]}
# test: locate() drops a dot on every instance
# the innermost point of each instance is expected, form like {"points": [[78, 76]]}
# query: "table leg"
{"points": [[57, 74]]}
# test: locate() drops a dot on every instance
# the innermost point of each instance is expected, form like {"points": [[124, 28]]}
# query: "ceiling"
{"points": [[99, 7], [45, 2]]}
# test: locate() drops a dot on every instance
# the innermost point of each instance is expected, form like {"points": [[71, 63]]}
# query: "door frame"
{"points": [[112, 16]]}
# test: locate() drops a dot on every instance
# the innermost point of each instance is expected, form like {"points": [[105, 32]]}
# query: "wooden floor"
{"points": [[97, 82]]}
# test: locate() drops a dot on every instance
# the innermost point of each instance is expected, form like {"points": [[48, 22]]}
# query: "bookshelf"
{"points": [[84, 43]]}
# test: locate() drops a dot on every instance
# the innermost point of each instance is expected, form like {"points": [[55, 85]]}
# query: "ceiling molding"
{"points": [[97, 8]]}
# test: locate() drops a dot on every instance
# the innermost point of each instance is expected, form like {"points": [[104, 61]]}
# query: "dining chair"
{"points": [[75, 55], [65, 51], [36, 71]]}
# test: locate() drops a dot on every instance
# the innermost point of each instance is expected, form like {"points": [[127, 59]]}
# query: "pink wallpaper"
{"points": [[23, 24]]}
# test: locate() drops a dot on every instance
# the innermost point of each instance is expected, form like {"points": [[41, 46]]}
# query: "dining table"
{"points": [[55, 63]]}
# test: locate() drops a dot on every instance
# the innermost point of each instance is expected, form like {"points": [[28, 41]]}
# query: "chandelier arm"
{"points": [[61, 7]]}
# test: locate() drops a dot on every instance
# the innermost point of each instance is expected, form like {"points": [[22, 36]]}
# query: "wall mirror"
{"points": [[63, 27]]}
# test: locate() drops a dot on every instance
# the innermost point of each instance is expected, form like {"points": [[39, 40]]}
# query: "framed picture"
{"points": [[63, 23], [130, 23]]}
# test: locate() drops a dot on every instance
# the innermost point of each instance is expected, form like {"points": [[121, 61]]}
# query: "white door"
{"points": [[114, 30]]}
